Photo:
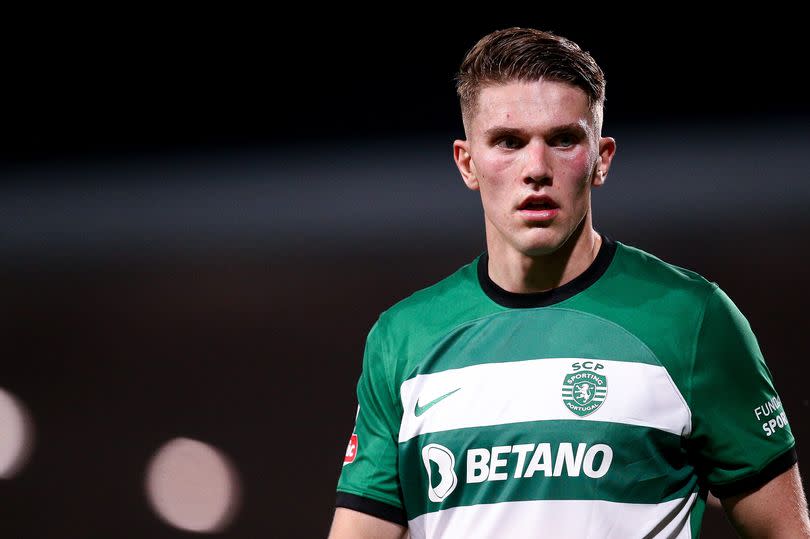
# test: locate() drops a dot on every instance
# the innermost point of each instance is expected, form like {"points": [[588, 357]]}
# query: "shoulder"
{"points": [[646, 273], [440, 300], [658, 301], [408, 329]]}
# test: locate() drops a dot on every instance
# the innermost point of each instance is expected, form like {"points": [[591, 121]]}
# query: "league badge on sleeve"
{"points": [[351, 450], [584, 390]]}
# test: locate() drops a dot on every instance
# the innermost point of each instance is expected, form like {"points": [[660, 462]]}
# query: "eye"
{"points": [[565, 140], [509, 143]]}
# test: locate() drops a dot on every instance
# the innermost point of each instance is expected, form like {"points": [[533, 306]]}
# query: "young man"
{"points": [[563, 384]]}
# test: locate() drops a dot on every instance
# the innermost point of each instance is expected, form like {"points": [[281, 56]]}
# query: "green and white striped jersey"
{"points": [[603, 408]]}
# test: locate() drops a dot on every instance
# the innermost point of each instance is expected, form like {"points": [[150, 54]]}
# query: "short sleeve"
{"points": [[369, 481], [740, 433]]}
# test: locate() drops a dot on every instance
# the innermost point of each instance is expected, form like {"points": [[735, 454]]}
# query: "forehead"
{"points": [[538, 104]]}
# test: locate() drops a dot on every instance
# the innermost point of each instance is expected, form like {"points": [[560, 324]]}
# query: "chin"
{"points": [[541, 248], [548, 241], [540, 251]]}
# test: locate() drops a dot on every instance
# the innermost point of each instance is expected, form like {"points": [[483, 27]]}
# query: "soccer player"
{"points": [[563, 384]]}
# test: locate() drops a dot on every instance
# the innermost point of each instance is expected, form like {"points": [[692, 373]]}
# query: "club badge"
{"points": [[584, 391]]}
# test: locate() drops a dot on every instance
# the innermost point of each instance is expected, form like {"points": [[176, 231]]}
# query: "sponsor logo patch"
{"points": [[527, 461], [584, 390], [442, 479]]}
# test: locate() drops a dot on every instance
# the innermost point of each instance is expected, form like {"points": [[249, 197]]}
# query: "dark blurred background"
{"points": [[202, 214]]}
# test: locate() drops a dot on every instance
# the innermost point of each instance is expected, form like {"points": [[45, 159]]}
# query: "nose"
{"points": [[537, 169]]}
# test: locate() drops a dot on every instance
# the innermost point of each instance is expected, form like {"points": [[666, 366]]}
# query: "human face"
{"points": [[534, 152]]}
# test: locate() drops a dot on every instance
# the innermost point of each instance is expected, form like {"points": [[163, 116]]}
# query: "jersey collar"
{"points": [[549, 297]]}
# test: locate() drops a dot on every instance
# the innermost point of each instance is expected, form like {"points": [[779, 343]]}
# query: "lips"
{"points": [[538, 210], [538, 203]]}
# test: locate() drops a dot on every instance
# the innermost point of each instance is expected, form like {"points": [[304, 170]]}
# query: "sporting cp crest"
{"points": [[584, 391]]}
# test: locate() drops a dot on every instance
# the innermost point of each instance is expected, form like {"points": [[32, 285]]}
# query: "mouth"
{"points": [[538, 208], [538, 203]]}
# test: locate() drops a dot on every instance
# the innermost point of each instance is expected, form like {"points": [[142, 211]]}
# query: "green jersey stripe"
{"points": [[544, 460], [525, 331]]}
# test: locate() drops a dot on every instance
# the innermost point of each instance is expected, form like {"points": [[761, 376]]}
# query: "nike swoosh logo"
{"points": [[419, 410]]}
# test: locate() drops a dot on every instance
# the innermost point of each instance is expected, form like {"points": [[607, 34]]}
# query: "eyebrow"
{"points": [[501, 131]]}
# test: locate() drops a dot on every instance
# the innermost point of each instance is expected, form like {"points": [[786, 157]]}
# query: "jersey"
{"points": [[607, 407]]}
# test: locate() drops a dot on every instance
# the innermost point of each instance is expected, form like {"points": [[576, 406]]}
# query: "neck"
{"points": [[521, 273]]}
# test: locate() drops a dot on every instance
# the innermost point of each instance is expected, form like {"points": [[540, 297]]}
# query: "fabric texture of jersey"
{"points": [[603, 408]]}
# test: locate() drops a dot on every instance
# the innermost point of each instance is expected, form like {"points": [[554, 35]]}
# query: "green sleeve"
{"points": [[740, 436], [372, 471]]}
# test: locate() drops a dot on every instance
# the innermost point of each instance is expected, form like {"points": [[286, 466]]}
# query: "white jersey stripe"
{"points": [[575, 519], [532, 390]]}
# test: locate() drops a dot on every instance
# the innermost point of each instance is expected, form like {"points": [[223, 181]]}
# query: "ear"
{"points": [[465, 164], [607, 149]]}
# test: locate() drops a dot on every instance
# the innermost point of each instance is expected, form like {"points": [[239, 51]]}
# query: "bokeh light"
{"points": [[16, 435], [193, 486]]}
